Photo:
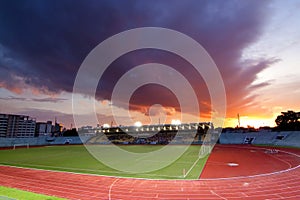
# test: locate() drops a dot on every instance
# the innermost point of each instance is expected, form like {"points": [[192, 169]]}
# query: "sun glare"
{"points": [[256, 122]]}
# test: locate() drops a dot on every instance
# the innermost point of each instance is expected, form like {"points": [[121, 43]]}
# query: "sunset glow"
{"points": [[254, 44]]}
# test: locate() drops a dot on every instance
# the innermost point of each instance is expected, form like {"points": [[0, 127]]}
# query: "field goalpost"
{"points": [[205, 149], [26, 145]]}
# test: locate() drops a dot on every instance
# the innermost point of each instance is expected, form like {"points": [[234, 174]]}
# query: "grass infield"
{"points": [[75, 158], [12, 194]]}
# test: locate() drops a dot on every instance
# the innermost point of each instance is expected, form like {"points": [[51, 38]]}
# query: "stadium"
{"points": [[249, 165], [149, 100]]}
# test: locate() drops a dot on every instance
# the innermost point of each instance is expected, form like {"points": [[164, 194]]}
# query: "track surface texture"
{"points": [[254, 173]]}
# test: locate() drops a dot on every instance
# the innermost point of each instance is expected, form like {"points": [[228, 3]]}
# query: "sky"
{"points": [[254, 44]]}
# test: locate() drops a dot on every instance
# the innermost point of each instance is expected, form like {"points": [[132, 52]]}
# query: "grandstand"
{"points": [[228, 165], [42, 141], [163, 134], [152, 134], [284, 138]]}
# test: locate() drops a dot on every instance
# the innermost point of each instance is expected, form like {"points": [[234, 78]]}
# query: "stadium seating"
{"points": [[285, 138], [42, 140]]}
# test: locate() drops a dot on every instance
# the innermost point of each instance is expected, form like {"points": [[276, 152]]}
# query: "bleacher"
{"points": [[42, 141], [290, 139], [97, 139], [284, 138]]}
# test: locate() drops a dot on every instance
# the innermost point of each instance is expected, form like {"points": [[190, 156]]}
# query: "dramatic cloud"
{"points": [[42, 44], [61, 117], [48, 99]]}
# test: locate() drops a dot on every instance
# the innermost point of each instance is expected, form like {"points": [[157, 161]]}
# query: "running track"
{"points": [[262, 176]]}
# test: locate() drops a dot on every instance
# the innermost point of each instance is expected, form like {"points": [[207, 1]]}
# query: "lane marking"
{"points": [[257, 175], [217, 195], [209, 190], [110, 188], [64, 170], [284, 161], [197, 179]]}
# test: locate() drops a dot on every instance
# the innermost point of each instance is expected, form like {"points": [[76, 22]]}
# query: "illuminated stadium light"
{"points": [[106, 126], [138, 124], [175, 122]]}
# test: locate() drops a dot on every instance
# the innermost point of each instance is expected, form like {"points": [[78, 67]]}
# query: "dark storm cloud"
{"points": [[47, 99], [67, 119], [42, 43]]}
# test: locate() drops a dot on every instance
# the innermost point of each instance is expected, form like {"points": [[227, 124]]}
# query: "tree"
{"points": [[288, 121], [72, 132]]}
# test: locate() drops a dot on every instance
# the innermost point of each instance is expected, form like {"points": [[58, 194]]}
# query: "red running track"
{"points": [[259, 175]]}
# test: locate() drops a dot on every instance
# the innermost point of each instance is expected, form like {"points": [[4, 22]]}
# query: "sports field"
{"points": [[75, 158], [257, 174], [12, 194]]}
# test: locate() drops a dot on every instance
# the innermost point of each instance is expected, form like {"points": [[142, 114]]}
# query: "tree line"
{"points": [[288, 121]]}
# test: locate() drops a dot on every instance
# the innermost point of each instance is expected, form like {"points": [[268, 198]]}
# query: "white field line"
{"points": [[62, 168], [65, 169], [151, 179], [187, 173]]}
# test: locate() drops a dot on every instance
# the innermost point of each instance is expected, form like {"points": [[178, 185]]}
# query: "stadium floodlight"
{"points": [[138, 124], [175, 122], [106, 126]]}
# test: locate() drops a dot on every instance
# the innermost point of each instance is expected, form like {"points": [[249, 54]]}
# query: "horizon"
{"points": [[253, 44], [136, 124]]}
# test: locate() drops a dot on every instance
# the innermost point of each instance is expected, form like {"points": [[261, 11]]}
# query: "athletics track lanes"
{"points": [[284, 184]]}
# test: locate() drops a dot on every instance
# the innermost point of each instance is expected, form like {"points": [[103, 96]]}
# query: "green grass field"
{"points": [[11, 194], [78, 159]]}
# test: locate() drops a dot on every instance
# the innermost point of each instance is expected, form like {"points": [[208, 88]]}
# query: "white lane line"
{"points": [[258, 175], [110, 188], [175, 177], [63, 170], [284, 161], [217, 195]]}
